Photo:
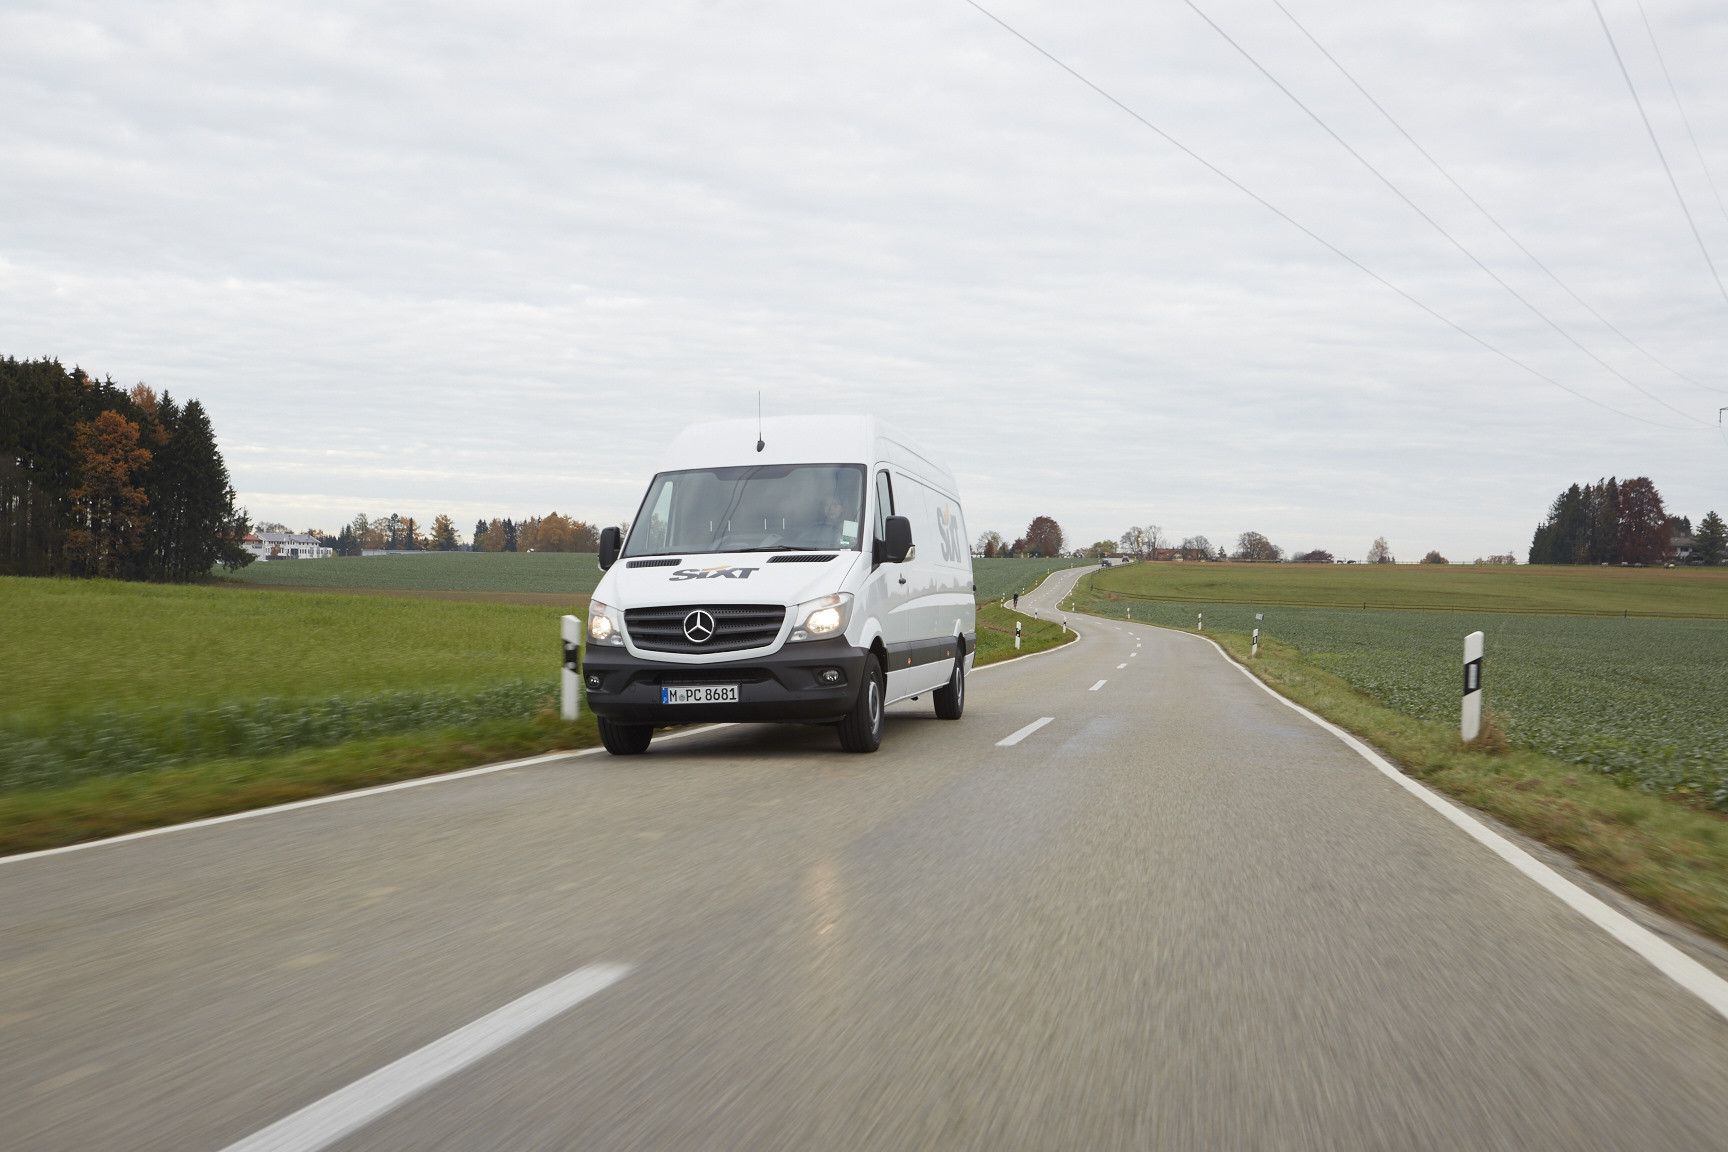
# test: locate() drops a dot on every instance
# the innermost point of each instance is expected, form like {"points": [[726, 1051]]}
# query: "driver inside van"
{"points": [[831, 531]]}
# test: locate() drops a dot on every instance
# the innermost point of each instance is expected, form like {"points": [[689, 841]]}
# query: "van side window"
{"points": [[884, 509]]}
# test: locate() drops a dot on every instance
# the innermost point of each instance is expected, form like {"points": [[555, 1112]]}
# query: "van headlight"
{"points": [[821, 619], [605, 624]]}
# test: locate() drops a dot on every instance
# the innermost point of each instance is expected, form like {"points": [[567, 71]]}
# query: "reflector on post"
{"points": [[570, 694], [1470, 721]]}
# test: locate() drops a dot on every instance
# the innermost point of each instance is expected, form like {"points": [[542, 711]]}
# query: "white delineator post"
{"points": [[570, 695], [1258, 616], [1016, 633], [1470, 721], [1199, 621]]}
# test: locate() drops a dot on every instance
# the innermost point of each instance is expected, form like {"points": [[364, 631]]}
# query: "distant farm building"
{"points": [[285, 546]]}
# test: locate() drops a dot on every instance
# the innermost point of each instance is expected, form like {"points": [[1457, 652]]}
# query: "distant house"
{"points": [[285, 546], [1679, 550]]}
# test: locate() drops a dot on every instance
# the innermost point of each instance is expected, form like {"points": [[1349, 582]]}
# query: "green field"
{"points": [[998, 578], [573, 573], [1682, 593], [105, 677]]}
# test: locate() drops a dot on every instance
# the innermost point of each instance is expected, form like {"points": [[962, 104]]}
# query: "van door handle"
{"points": [[902, 579]]}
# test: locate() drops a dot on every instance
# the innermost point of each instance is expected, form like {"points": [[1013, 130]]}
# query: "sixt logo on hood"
{"points": [[726, 570]]}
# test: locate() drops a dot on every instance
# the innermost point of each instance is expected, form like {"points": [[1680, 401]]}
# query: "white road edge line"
{"points": [[1121, 666], [1098, 685], [321, 1124], [1663, 956], [335, 797], [1014, 738]]}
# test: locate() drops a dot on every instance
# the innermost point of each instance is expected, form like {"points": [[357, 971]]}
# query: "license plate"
{"points": [[700, 694]]}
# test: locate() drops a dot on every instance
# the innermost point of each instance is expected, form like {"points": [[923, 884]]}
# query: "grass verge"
{"points": [[996, 634], [113, 805]]}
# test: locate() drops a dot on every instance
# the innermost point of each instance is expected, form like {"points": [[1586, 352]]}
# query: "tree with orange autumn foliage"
{"points": [[108, 503]]}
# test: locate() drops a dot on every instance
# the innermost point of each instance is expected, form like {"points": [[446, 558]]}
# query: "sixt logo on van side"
{"points": [[725, 570]]}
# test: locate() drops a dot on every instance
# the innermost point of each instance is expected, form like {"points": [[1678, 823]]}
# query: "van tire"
{"points": [[624, 739], [951, 697], [861, 729]]}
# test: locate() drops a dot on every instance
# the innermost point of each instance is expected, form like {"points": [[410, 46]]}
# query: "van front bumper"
{"points": [[793, 684]]}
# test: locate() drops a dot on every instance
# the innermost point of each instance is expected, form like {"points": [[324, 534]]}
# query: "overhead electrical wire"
{"points": [[1660, 155], [1489, 216], [1303, 228], [1433, 223], [1684, 119]]}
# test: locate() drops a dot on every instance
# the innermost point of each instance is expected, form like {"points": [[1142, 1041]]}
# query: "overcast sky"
{"points": [[485, 259]]}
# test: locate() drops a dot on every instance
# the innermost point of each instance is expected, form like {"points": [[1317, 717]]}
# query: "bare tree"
{"points": [[1196, 548], [989, 544], [1381, 552], [1253, 546]]}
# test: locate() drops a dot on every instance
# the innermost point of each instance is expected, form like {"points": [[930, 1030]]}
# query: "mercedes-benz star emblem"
{"points": [[698, 627]]}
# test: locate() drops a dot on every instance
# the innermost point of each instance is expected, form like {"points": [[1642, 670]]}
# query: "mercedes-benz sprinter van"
{"points": [[812, 569]]}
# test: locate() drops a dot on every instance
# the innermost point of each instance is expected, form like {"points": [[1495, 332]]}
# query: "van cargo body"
{"points": [[808, 569]]}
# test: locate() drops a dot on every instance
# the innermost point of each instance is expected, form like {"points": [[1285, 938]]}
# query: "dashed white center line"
{"points": [[1131, 655], [1098, 685], [1015, 738], [1121, 665], [326, 1121]]}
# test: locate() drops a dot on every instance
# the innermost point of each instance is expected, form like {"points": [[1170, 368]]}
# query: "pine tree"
{"points": [[443, 534], [1710, 541], [479, 534], [509, 535]]}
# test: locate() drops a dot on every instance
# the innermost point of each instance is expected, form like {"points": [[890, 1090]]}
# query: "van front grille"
{"points": [[736, 627]]}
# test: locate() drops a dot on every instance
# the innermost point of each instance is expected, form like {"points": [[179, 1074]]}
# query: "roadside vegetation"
{"points": [[1608, 739], [130, 705], [996, 634]]}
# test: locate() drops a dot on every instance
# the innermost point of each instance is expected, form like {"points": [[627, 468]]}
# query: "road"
{"points": [[1177, 915]]}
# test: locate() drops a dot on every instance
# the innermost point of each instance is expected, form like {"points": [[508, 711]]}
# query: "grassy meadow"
{"points": [[1678, 593], [213, 684], [562, 573]]}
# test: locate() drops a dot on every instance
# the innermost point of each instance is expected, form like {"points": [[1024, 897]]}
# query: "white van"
{"points": [[811, 569]]}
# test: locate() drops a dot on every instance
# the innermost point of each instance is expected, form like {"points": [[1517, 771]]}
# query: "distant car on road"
{"points": [[808, 569]]}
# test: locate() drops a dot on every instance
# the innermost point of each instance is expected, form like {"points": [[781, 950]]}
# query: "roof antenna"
{"points": [[759, 444]]}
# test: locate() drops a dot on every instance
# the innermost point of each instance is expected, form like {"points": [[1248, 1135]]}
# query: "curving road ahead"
{"points": [[1176, 915]]}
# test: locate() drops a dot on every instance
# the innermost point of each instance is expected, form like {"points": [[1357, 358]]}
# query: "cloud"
{"points": [[445, 258]]}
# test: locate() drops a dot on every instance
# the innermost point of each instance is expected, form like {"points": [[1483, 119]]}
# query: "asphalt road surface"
{"points": [[1176, 915]]}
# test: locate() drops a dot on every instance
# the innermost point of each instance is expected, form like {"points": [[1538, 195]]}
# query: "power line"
{"points": [[1660, 155], [1303, 228], [1684, 119], [1433, 223], [1480, 207]]}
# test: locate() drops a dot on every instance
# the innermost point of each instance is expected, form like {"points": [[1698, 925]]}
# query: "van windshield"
{"points": [[768, 508]]}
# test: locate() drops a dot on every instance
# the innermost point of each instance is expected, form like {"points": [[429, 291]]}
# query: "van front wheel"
{"points": [[861, 730], [951, 697], [624, 739]]}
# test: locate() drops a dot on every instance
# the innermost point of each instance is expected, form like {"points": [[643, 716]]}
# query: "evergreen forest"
{"points": [[96, 480]]}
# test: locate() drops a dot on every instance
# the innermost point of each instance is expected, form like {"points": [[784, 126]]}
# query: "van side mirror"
{"points": [[609, 545], [897, 539]]}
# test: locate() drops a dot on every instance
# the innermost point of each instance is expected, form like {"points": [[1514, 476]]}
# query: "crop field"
{"points": [[1681, 593], [1640, 698], [572, 573], [998, 578], [104, 677]]}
